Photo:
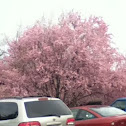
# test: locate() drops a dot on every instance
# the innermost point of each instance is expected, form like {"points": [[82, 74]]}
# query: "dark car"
{"points": [[120, 103], [98, 115]]}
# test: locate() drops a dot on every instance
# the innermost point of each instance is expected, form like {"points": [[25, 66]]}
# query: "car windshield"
{"points": [[46, 108], [121, 104], [108, 111]]}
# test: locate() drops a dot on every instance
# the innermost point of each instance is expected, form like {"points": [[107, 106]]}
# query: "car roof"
{"points": [[123, 98], [28, 98], [90, 106]]}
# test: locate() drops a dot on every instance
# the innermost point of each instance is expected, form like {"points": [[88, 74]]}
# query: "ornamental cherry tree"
{"points": [[7, 78], [66, 60]]}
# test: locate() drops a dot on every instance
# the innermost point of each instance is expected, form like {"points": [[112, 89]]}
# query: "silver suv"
{"points": [[34, 111]]}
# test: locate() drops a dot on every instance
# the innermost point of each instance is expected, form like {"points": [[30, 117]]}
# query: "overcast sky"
{"points": [[14, 13]]}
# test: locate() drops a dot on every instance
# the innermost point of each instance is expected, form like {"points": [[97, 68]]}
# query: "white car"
{"points": [[34, 111]]}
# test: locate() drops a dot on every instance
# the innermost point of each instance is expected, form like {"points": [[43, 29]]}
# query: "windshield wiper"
{"points": [[52, 115]]}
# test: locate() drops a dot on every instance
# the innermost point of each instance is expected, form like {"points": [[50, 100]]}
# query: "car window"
{"points": [[75, 112], [108, 111], [8, 110], [85, 115], [46, 108], [120, 105]]}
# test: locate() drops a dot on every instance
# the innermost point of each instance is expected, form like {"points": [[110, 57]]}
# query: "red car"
{"points": [[98, 115]]}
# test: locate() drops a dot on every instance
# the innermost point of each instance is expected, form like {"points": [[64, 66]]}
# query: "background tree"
{"points": [[2, 50], [72, 60]]}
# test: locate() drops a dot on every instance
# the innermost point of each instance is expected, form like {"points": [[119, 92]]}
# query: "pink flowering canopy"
{"points": [[72, 60]]}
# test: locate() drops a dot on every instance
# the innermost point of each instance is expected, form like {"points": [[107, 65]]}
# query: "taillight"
{"points": [[70, 121], [29, 124]]}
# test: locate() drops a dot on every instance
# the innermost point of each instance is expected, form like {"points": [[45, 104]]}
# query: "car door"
{"points": [[85, 118]]}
